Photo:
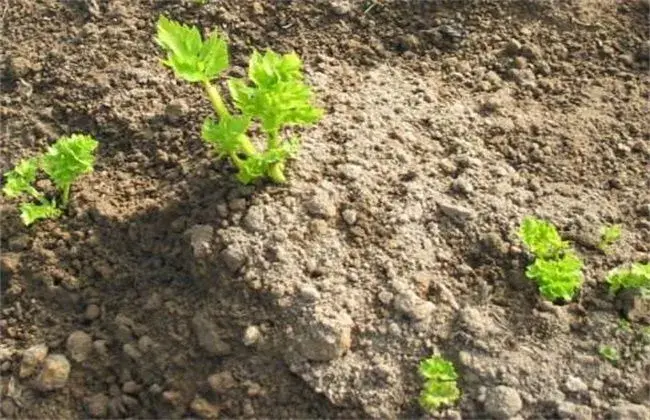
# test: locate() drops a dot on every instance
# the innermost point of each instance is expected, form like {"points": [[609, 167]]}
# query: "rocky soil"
{"points": [[170, 291]]}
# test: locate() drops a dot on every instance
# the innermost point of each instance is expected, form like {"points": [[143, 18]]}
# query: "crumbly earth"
{"points": [[168, 290]]}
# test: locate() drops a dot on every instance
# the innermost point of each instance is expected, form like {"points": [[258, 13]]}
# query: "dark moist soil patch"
{"points": [[171, 291]]}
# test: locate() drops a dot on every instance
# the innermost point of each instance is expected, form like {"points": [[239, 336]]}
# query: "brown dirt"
{"points": [[447, 122]]}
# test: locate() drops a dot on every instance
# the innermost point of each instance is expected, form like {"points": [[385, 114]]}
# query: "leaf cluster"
{"points": [[64, 162], [608, 236], [633, 276], [440, 388], [542, 238], [609, 353], [557, 270], [188, 55], [274, 96]]}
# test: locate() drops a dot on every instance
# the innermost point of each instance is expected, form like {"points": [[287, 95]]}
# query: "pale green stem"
{"points": [[66, 195], [276, 170], [273, 141], [247, 146], [276, 173], [215, 98]]}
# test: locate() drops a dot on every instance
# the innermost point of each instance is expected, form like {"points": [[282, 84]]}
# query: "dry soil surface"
{"points": [[170, 291]]}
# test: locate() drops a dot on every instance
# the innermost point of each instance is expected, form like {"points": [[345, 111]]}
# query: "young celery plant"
{"points": [[18, 182], [197, 61], [278, 98], [68, 159], [65, 161]]}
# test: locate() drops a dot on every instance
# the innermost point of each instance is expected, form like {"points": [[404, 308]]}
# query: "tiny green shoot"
{"points": [[440, 388], [632, 276], [624, 325], [609, 353], [274, 96], [557, 269], [64, 162], [609, 234]]}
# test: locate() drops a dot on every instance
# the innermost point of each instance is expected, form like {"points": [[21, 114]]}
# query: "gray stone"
{"points": [[477, 323], [456, 211], [20, 66], [54, 374], [324, 337], [132, 351], [97, 405], [92, 312], [575, 385], [513, 47], [131, 387], [462, 186], [254, 219], [502, 402], [208, 336], [252, 335], [19, 243], [233, 257], [204, 409], [570, 411], [32, 359], [8, 407], [309, 293], [414, 306], [634, 305], [349, 216], [200, 238], [321, 205], [176, 109], [628, 411], [222, 381], [79, 346]]}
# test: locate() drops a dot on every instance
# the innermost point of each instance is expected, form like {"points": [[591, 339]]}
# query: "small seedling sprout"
{"points": [[557, 269], [440, 388], [609, 234], [64, 162]]}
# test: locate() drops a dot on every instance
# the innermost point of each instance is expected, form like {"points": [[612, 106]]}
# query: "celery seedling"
{"points": [[440, 387], [68, 159], [608, 235], [277, 97], [557, 278], [634, 276], [609, 353], [541, 238], [64, 162], [556, 269]]}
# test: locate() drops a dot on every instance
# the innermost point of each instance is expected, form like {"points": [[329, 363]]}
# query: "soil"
{"points": [[170, 291]]}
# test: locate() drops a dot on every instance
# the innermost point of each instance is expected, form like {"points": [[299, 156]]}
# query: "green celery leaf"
{"points": [[30, 212], [225, 134], [557, 278], [188, 55], [214, 56], [541, 238], [271, 68], [19, 180], [69, 158], [252, 169], [257, 166], [437, 368], [278, 96], [285, 103], [437, 394], [634, 276]]}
